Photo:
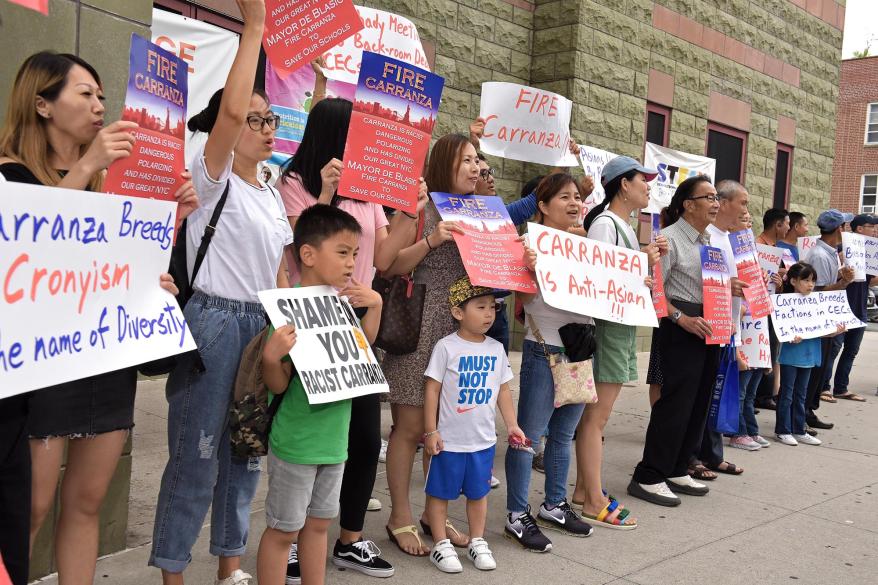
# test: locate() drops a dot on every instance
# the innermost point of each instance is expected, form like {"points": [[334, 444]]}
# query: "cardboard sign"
{"points": [[870, 246], [769, 257], [854, 254], [788, 258], [81, 293], [298, 32], [208, 51], [156, 100], [814, 315], [394, 114], [673, 168], [755, 341], [525, 123], [717, 289], [659, 302], [805, 244], [592, 278], [41, 6], [749, 270], [593, 161], [489, 246], [384, 33], [332, 355]]}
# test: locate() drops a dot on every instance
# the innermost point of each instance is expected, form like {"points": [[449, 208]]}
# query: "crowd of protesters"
{"points": [[323, 459]]}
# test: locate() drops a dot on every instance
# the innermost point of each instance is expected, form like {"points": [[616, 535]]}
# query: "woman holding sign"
{"points": [[54, 135], [224, 314], [311, 176], [688, 365], [626, 185]]}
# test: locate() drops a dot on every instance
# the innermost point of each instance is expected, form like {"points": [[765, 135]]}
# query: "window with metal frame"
{"points": [[869, 194], [729, 148], [783, 170]]}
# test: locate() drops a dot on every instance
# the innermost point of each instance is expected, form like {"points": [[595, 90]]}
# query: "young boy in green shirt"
{"points": [[308, 444]]}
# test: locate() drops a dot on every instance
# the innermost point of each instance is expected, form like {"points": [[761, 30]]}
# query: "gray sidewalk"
{"points": [[802, 514]]}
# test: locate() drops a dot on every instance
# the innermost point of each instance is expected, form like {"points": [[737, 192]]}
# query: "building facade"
{"points": [[855, 171]]}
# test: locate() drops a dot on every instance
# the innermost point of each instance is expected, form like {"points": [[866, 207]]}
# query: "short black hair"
{"points": [[531, 186], [796, 217], [481, 157], [772, 216], [319, 223]]}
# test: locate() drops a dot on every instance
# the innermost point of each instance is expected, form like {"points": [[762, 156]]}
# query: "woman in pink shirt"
{"points": [[310, 177]]}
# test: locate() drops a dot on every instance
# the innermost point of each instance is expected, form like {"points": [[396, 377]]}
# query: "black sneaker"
{"points": [[814, 422], [564, 519], [524, 530], [294, 574], [362, 556]]}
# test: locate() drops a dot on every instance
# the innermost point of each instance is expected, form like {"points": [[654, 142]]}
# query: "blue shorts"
{"points": [[452, 474]]}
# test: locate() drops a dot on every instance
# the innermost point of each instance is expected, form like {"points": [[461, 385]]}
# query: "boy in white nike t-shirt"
{"points": [[467, 378]]}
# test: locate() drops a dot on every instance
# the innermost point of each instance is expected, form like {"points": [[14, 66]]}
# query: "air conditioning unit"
{"points": [[868, 209]]}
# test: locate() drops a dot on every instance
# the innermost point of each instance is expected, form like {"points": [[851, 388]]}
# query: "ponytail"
{"points": [[204, 120]]}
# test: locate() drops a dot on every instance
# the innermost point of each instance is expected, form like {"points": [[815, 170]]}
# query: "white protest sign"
{"points": [[805, 244], [592, 278], [769, 257], [854, 254], [673, 168], [525, 123], [870, 246], [208, 49], [788, 258], [332, 356], [755, 341], [593, 161], [814, 315], [81, 292], [384, 33]]}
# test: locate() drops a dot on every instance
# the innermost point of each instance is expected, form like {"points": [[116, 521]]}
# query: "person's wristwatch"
{"points": [[675, 316]]}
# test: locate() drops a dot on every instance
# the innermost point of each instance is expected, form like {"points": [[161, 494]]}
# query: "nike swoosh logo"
{"points": [[461, 410], [517, 533]]}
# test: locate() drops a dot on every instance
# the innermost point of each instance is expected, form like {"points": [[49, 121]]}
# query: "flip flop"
{"points": [[828, 397], [850, 396], [730, 468], [448, 526], [618, 521], [410, 529]]}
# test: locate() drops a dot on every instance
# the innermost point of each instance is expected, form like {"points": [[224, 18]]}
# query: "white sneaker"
{"points": [[762, 441], [744, 442], [787, 440], [807, 439], [374, 505], [495, 483], [481, 555], [382, 454], [445, 557], [238, 577]]}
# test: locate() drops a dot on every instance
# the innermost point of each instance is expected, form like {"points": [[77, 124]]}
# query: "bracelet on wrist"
{"points": [[409, 215], [427, 239], [430, 433]]}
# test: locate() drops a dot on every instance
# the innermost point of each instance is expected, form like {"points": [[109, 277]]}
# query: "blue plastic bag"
{"points": [[724, 415]]}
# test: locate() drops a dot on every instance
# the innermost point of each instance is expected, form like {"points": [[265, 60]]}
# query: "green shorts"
{"points": [[615, 356]]}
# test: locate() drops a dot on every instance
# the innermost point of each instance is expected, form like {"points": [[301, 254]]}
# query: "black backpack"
{"points": [[178, 269]]}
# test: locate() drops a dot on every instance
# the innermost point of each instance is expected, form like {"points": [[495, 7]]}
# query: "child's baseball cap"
{"points": [[463, 290]]}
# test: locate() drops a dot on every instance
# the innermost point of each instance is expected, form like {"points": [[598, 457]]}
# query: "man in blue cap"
{"points": [[857, 292], [831, 275]]}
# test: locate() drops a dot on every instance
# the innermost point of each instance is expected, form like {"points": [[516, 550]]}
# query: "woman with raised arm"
{"points": [[224, 314]]}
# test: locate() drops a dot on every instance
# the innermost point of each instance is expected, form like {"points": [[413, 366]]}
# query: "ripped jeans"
{"points": [[200, 469]]}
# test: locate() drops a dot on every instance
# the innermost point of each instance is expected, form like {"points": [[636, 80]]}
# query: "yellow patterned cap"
{"points": [[463, 290]]}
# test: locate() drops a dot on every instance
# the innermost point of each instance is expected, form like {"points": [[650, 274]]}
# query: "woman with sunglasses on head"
{"points": [[54, 135], [224, 314], [688, 365]]}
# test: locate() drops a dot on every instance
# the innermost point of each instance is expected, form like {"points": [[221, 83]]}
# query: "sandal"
{"points": [[730, 468], [618, 519], [410, 529], [828, 397], [701, 473], [849, 396], [448, 526]]}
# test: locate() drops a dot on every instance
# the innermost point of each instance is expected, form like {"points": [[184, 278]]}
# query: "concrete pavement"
{"points": [[806, 515]]}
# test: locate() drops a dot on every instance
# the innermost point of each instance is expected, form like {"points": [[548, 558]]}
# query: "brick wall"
{"points": [[853, 159]]}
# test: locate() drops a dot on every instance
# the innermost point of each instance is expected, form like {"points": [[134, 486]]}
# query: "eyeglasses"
{"points": [[257, 122], [711, 198], [484, 173]]}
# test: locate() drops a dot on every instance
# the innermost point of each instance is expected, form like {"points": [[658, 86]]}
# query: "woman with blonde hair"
{"points": [[54, 135]]}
